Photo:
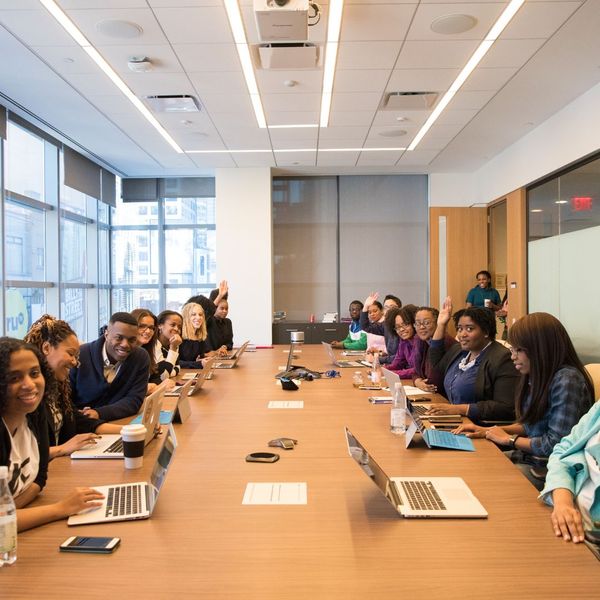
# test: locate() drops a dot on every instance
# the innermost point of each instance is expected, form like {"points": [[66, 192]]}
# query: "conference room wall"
{"points": [[245, 249], [565, 137]]}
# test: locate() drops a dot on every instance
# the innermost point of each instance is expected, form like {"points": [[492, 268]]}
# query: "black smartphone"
{"points": [[95, 545]]}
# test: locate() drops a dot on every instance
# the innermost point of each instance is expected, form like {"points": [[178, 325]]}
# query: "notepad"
{"points": [[286, 404], [276, 493]]}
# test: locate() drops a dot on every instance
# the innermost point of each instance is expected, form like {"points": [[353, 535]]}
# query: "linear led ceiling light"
{"points": [[309, 126], [289, 150], [80, 39], [241, 43], [486, 44], [334, 24]]}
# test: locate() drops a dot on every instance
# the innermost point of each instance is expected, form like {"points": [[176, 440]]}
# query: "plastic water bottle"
{"points": [[398, 411], [357, 379], [8, 522], [376, 370]]}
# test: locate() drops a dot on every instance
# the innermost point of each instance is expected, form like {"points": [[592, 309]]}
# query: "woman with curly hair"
{"points": [[68, 428], [26, 384]]}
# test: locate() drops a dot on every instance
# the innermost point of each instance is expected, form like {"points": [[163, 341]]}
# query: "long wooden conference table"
{"points": [[346, 542]]}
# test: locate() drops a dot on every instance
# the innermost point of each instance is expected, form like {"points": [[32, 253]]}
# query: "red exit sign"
{"points": [[579, 203]]}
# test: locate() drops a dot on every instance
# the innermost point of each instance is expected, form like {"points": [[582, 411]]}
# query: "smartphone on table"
{"points": [[94, 545]]}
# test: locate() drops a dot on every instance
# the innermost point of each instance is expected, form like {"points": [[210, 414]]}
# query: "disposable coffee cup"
{"points": [[487, 302], [134, 437]]}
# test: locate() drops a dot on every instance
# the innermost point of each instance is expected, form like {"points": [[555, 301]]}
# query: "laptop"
{"points": [[131, 501], [432, 497], [231, 365], [235, 352], [343, 364], [197, 379], [182, 411], [111, 445], [435, 438]]}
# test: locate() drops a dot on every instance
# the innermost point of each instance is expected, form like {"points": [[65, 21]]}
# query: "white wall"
{"points": [[567, 136], [244, 249]]}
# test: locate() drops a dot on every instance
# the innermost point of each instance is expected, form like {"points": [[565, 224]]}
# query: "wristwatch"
{"points": [[512, 440]]}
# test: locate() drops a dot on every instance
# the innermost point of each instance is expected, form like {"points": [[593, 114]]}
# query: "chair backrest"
{"points": [[594, 370]]}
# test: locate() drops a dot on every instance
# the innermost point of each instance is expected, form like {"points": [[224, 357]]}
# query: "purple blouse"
{"points": [[403, 362]]}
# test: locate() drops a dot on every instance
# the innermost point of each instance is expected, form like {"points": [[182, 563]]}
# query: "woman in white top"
{"points": [[25, 381]]}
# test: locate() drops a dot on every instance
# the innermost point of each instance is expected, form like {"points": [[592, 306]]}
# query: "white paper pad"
{"points": [[275, 493], [286, 404], [414, 391], [189, 376]]}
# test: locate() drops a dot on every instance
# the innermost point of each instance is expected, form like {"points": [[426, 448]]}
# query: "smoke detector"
{"points": [[139, 64]]}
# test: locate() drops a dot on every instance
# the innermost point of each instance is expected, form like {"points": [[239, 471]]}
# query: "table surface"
{"points": [[346, 542]]}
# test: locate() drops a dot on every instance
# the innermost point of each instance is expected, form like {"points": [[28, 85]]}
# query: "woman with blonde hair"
{"points": [[195, 345], [68, 428]]}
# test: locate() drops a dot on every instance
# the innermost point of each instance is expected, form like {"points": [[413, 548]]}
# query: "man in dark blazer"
{"points": [[112, 377]]}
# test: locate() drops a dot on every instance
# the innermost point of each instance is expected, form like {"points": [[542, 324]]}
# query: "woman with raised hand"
{"points": [[26, 383], [555, 391], [479, 376], [68, 428]]}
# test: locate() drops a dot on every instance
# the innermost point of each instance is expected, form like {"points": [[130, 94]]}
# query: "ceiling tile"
{"points": [[208, 57], [213, 161], [436, 54], [360, 80], [348, 134], [227, 103], [35, 27], [367, 55], [390, 117], [163, 59], [272, 81], [254, 160], [510, 53], [422, 80], [378, 158], [350, 118], [220, 82], [488, 79], [464, 100], [337, 159], [294, 138], [194, 24], [295, 158], [245, 138], [356, 102], [290, 102], [156, 84], [376, 22], [67, 60], [539, 19], [417, 157], [303, 117]]}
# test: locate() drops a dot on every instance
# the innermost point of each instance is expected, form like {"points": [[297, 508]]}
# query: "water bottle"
{"points": [[376, 370], [398, 411], [8, 522], [357, 379]]}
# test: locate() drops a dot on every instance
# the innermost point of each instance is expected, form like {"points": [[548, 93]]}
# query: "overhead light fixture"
{"points": [[241, 43], [307, 126], [498, 27], [334, 24], [289, 150], [80, 39], [139, 64], [536, 210], [561, 202]]}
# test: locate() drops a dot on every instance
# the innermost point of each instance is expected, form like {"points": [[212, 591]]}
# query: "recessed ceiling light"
{"points": [[117, 29], [402, 119], [453, 24], [290, 83], [561, 202], [536, 210], [391, 133]]}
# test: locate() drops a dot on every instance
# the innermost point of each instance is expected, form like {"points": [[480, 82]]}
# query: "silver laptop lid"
{"points": [[376, 474], [161, 466], [151, 412], [329, 351], [391, 378]]}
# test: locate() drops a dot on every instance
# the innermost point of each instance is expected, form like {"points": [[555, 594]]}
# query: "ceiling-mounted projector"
{"points": [[282, 20]]}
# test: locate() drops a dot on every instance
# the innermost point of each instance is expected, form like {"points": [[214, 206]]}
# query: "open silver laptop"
{"points": [[111, 445], [343, 364], [131, 501], [232, 364], [197, 379], [236, 351], [433, 497]]}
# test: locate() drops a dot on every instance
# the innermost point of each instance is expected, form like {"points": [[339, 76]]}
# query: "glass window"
{"points": [[127, 299], [190, 254], [73, 250], [127, 257], [23, 307], [73, 310], [103, 306], [103, 257], [24, 154], [189, 211], [73, 200], [24, 242], [134, 213], [177, 297]]}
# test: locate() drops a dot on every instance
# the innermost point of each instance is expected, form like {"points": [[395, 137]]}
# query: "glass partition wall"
{"points": [[563, 240]]}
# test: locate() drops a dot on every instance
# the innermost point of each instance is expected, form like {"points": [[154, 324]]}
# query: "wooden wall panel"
{"points": [[466, 250], [516, 256]]}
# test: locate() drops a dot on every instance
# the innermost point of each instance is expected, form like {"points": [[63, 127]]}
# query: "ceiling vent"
{"points": [[173, 104], [288, 56], [408, 100]]}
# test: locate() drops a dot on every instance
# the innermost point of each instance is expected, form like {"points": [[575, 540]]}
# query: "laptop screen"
{"points": [[369, 466], [162, 464]]}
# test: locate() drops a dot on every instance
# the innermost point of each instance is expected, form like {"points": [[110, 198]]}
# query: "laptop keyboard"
{"points": [[444, 438], [422, 495], [420, 409], [124, 500], [116, 446]]}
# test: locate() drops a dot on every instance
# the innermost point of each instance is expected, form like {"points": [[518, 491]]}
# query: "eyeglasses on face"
{"points": [[425, 323], [402, 327], [146, 328]]}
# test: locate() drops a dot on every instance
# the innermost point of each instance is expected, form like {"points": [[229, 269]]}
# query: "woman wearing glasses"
{"points": [[147, 336], [427, 377], [555, 391], [401, 322], [68, 428]]}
